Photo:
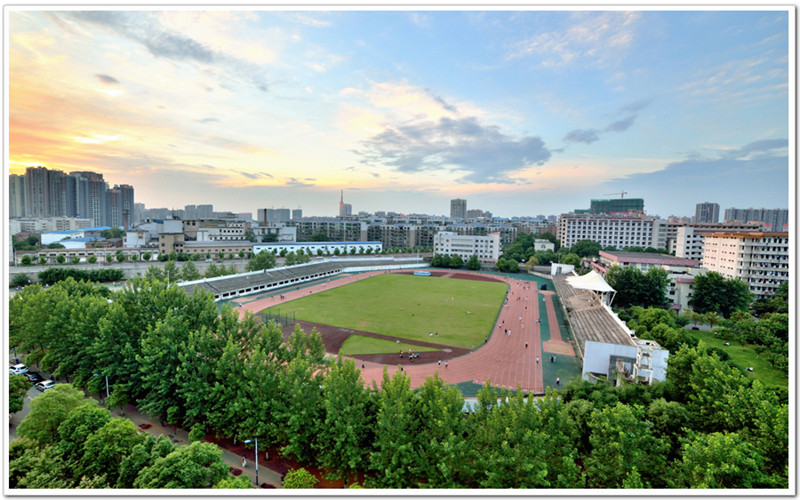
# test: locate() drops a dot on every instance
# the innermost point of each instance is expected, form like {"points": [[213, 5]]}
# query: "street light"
{"points": [[256, 440], [99, 375]]}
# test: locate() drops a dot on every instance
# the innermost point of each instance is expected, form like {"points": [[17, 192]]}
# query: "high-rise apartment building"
{"points": [[273, 215], [761, 259], [689, 238], [16, 196], [297, 214], [707, 212], [190, 212], [205, 211], [458, 209], [774, 220], [37, 190], [91, 197]]}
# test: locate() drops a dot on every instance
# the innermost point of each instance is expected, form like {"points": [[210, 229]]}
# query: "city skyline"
{"points": [[519, 113]]}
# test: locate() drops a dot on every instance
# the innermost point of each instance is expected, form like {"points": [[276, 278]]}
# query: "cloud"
{"points": [[588, 136], [252, 175], [593, 38], [146, 29], [107, 79], [295, 182], [741, 177], [207, 120], [481, 153]]}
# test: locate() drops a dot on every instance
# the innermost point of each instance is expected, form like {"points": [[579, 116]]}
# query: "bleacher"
{"points": [[589, 319], [227, 287]]}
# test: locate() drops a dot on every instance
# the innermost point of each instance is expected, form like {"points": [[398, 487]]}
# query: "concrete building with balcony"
{"points": [[760, 259], [486, 248], [333, 229], [688, 242]]}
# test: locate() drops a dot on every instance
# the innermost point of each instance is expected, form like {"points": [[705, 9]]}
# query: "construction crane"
{"points": [[621, 194]]}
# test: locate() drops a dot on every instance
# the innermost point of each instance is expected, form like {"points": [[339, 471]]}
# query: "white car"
{"points": [[18, 369], [45, 384]]}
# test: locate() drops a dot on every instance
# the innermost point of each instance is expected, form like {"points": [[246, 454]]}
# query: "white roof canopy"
{"points": [[591, 281]]}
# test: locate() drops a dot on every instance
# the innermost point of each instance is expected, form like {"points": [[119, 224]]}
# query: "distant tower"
{"points": [[345, 209], [341, 204], [458, 209], [707, 212]]}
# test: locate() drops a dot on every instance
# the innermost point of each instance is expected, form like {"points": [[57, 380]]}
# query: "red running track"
{"points": [[503, 359]]}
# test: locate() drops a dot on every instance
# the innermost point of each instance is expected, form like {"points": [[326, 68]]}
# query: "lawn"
{"points": [[744, 357], [463, 312], [361, 344]]}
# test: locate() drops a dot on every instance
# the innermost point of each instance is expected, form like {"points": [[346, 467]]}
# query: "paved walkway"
{"points": [[503, 359]]}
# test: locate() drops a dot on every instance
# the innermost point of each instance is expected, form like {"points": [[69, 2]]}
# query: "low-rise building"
{"points": [[618, 231], [326, 247], [486, 248]]}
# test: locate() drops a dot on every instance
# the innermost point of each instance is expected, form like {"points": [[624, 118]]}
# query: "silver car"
{"points": [[18, 369], [44, 385]]}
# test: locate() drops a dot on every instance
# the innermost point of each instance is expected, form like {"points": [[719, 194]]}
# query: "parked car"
{"points": [[45, 384], [18, 369], [34, 377]]}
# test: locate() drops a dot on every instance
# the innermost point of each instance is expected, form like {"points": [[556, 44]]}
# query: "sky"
{"points": [[521, 113]]}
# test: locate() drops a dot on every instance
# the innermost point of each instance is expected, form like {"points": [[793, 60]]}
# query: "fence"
{"points": [[287, 319]]}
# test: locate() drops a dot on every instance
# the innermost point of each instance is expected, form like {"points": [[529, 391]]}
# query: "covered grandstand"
{"points": [[237, 285], [606, 345]]}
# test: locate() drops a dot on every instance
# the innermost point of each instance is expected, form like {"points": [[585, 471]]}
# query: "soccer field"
{"points": [[463, 312]]}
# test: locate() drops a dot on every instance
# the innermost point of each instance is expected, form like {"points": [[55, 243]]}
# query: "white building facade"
{"points": [[486, 248], [618, 231], [760, 259]]}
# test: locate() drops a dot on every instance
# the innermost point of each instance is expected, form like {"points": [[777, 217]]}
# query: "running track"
{"points": [[503, 359]]}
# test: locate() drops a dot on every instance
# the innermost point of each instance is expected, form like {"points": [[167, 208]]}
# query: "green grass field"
{"points": [[360, 344], [745, 357], [462, 311]]}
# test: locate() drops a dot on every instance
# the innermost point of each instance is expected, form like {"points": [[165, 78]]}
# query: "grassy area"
{"points": [[361, 344], [744, 356], [462, 311]]}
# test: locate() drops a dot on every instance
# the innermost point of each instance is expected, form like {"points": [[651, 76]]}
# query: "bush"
{"points": [[55, 274], [20, 280], [26, 260], [299, 478], [92, 259]]}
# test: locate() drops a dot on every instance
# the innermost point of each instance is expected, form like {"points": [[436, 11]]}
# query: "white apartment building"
{"points": [[327, 247], [760, 259], [487, 247], [689, 238], [619, 231]]}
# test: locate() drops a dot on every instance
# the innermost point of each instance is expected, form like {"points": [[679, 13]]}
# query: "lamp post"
{"points": [[256, 440], [100, 375]]}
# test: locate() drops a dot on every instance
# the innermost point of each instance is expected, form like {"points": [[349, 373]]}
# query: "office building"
{"points": [[761, 259], [689, 238], [458, 209], [205, 211], [618, 231], [707, 212], [16, 196]]}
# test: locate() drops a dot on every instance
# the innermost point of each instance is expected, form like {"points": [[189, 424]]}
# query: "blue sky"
{"points": [[520, 112]]}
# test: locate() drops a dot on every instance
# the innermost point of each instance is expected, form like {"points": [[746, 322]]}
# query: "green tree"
{"points": [[344, 437], [147, 256], [171, 271], [719, 460], [473, 264], [121, 257], [48, 411], [26, 260], [18, 386], [92, 259], [261, 260], [20, 280], [109, 258], [107, 447], [141, 456], [714, 293], [456, 262], [42, 260], [198, 465], [299, 478], [621, 435], [76, 260], [60, 259], [231, 483], [318, 237], [571, 259], [189, 272], [81, 422], [586, 248], [154, 273]]}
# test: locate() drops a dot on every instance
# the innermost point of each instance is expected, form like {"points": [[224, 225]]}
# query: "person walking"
{"points": [[244, 463], [537, 360], [445, 363], [526, 345], [558, 381]]}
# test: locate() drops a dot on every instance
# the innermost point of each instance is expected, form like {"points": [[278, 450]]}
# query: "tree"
{"points": [[107, 447], [121, 257], [299, 478], [135, 257], [230, 482], [92, 259], [18, 386], [171, 271], [635, 288], [42, 260], [147, 256], [143, 455], [60, 259], [269, 238], [720, 460], [621, 435], [571, 259], [586, 248], [76, 260], [20, 280], [48, 411], [345, 435], [198, 465], [76, 429], [473, 264], [154, 273], [456, 262], [189, 272], [714, 293], [26, 260]]}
